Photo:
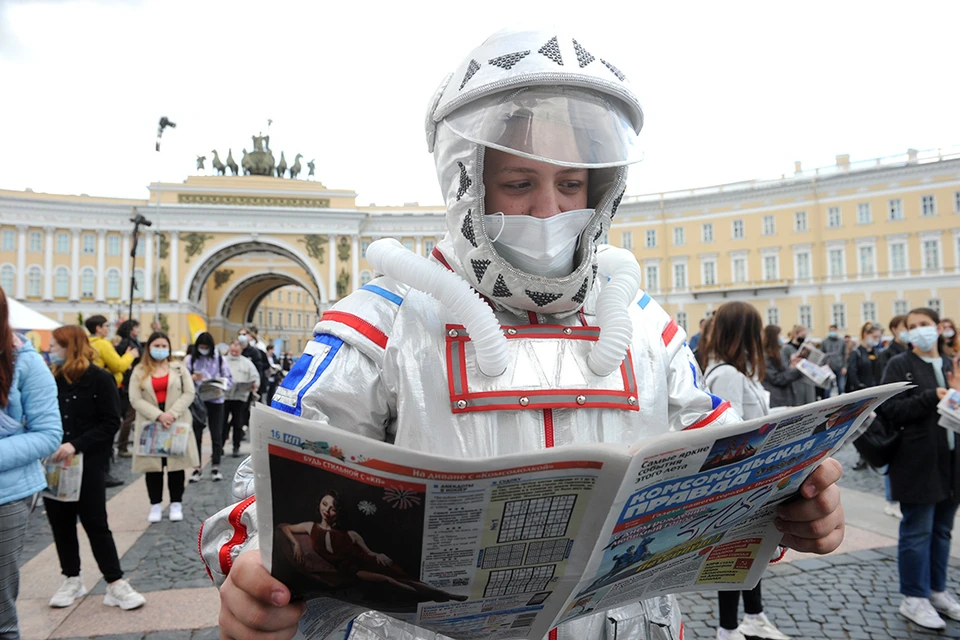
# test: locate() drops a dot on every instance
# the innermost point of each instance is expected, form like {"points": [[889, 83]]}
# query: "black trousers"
{"points": [[175, 482], [215, 422], [92, 511], [730, 603], [234, 420]]}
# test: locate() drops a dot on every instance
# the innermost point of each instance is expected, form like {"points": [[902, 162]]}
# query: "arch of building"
{"points": [[241, 299]]}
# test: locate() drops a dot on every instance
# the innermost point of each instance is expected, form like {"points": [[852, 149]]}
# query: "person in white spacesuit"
{"points": [[519, 333]]}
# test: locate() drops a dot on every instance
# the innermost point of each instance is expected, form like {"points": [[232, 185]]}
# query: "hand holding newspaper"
{"points": [[949, 410], [512, 546], [157, 440], [63, 478]]}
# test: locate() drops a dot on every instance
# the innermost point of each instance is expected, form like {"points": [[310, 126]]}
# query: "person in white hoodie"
{"points": [[733, 361], [246, 380]]}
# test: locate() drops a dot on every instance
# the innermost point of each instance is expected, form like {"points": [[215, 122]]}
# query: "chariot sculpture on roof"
{"points": [[260, 161]]}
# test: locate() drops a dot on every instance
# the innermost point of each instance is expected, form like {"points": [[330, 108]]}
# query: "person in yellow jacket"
{"points": [[106, 356]]}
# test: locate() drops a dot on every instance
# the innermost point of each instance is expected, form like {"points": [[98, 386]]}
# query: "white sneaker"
{"points": [[121, 594], [176, 512], [892, 509], [727, 634], [196, 476], [69, 591], [760, 626], [156, 513], [945, 603], [216, 476], [920, 611]]}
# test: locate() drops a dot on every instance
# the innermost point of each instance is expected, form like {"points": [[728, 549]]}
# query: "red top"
{"points": [[160, 388]]}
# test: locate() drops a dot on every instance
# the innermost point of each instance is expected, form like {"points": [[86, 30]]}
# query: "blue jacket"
{"points": [[32, 403]]}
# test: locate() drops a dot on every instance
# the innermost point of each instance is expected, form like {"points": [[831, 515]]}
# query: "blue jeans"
{"points": [[923, 552], [887, 489]]}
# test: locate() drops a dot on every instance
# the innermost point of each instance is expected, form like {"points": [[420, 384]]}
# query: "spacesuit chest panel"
{"points": [[547, 370]]}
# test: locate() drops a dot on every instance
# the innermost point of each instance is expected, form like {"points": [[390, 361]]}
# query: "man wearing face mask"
{"points": [[804, 391], [835, 351], [532, 136]]}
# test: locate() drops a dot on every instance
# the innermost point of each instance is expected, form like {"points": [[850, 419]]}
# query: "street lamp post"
{"points": [[137, 221]]}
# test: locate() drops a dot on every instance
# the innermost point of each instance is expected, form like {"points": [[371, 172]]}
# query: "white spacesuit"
{"points": [[576, 353]]}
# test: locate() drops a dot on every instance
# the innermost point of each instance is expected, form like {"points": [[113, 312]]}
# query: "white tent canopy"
{"points": [[23, 318]]}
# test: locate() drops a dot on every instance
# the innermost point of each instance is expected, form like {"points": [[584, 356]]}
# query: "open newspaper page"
{"points": [[63, 478], [160, 441], [809, 351], [820, 375], [469, 548], [696, 510], [949, 410]]}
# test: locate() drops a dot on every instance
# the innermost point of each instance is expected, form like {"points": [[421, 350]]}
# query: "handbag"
{"points": [[198, 410], [878, 443]]}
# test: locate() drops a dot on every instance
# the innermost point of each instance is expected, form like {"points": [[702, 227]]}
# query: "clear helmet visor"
{"points": [[560, 125]]}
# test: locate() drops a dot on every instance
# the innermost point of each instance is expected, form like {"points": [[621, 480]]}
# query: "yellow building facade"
{"points": [[844, 245]]}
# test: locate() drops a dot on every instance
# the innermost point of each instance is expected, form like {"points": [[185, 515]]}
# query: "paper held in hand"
{"points": [[820, 375], [509, 547], [158, 440], [63, 478], [949, 410], [810, 352]]}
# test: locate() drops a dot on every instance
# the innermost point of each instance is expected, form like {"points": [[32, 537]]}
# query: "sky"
{"points": [[731, 90]]}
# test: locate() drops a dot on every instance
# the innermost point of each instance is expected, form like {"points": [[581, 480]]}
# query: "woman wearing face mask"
{"points": [[863, 367], [951, 341], [161, 390], [924, 473], [211, 374], [90, 410]]}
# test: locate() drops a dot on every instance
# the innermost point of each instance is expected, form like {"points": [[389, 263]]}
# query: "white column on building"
{"points": [[418, 245], [75, 264], [332, 260], [48, 263], [355, 262], [101, 265], [21, 261], [125, 261], [148, 265], [174, 266]]}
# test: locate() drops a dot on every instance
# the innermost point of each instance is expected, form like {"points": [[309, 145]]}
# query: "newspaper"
{"points": [[509, 547], [809, 351], [212, 389], [949, 410], [63, 478], [157, 440], [820, 375]]}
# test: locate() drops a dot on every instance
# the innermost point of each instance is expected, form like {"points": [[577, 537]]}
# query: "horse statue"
{"points": [[231, 162], [200, 161], [282, 167], [246, 163], [312, 167], [219, 166], [295, 169]]}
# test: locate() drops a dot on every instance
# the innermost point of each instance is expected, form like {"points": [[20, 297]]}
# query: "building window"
{"points": [[738, 229], [710, 273], [706, 231], [653, 278], [63, 243], [36, 242], [838, 313], [868, 312], [113, 284], [34, 278], [408, 244], [868, 261], [935, 304], [678, 236], [805, 317], [364, 245], [651, 238], [289, 297], [800, 221], [680, 276], [898, 257], [9, 240], [770, 268], [260, 317], [835, 257], [299, 298], [299, 319], [141, 245], [270, 318], [900, 307], [863, 213], [928, 206], [365, 277], [769, 225], [87, 283], [931, 254], [289, 319], [138, 280], [113, 245], [739, 270], [682, 319], [605, 238], [428, 246], [89, 244], [895, 209], [803, 266], [61, 283], [7, 275], [626, 240], [773, 315], [833, 217], [956, 201]]}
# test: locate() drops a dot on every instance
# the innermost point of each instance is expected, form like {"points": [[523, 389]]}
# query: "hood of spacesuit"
{"points": [[506, 61]]}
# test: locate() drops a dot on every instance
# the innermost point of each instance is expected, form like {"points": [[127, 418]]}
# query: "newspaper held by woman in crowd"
{"points": [[64, 478], [160, 441], [949, 410], [512, 546]]}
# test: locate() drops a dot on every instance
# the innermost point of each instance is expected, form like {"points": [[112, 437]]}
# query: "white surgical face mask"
{"points": [[948, 333], [904, 337], [923, 338], [540, 246]]}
